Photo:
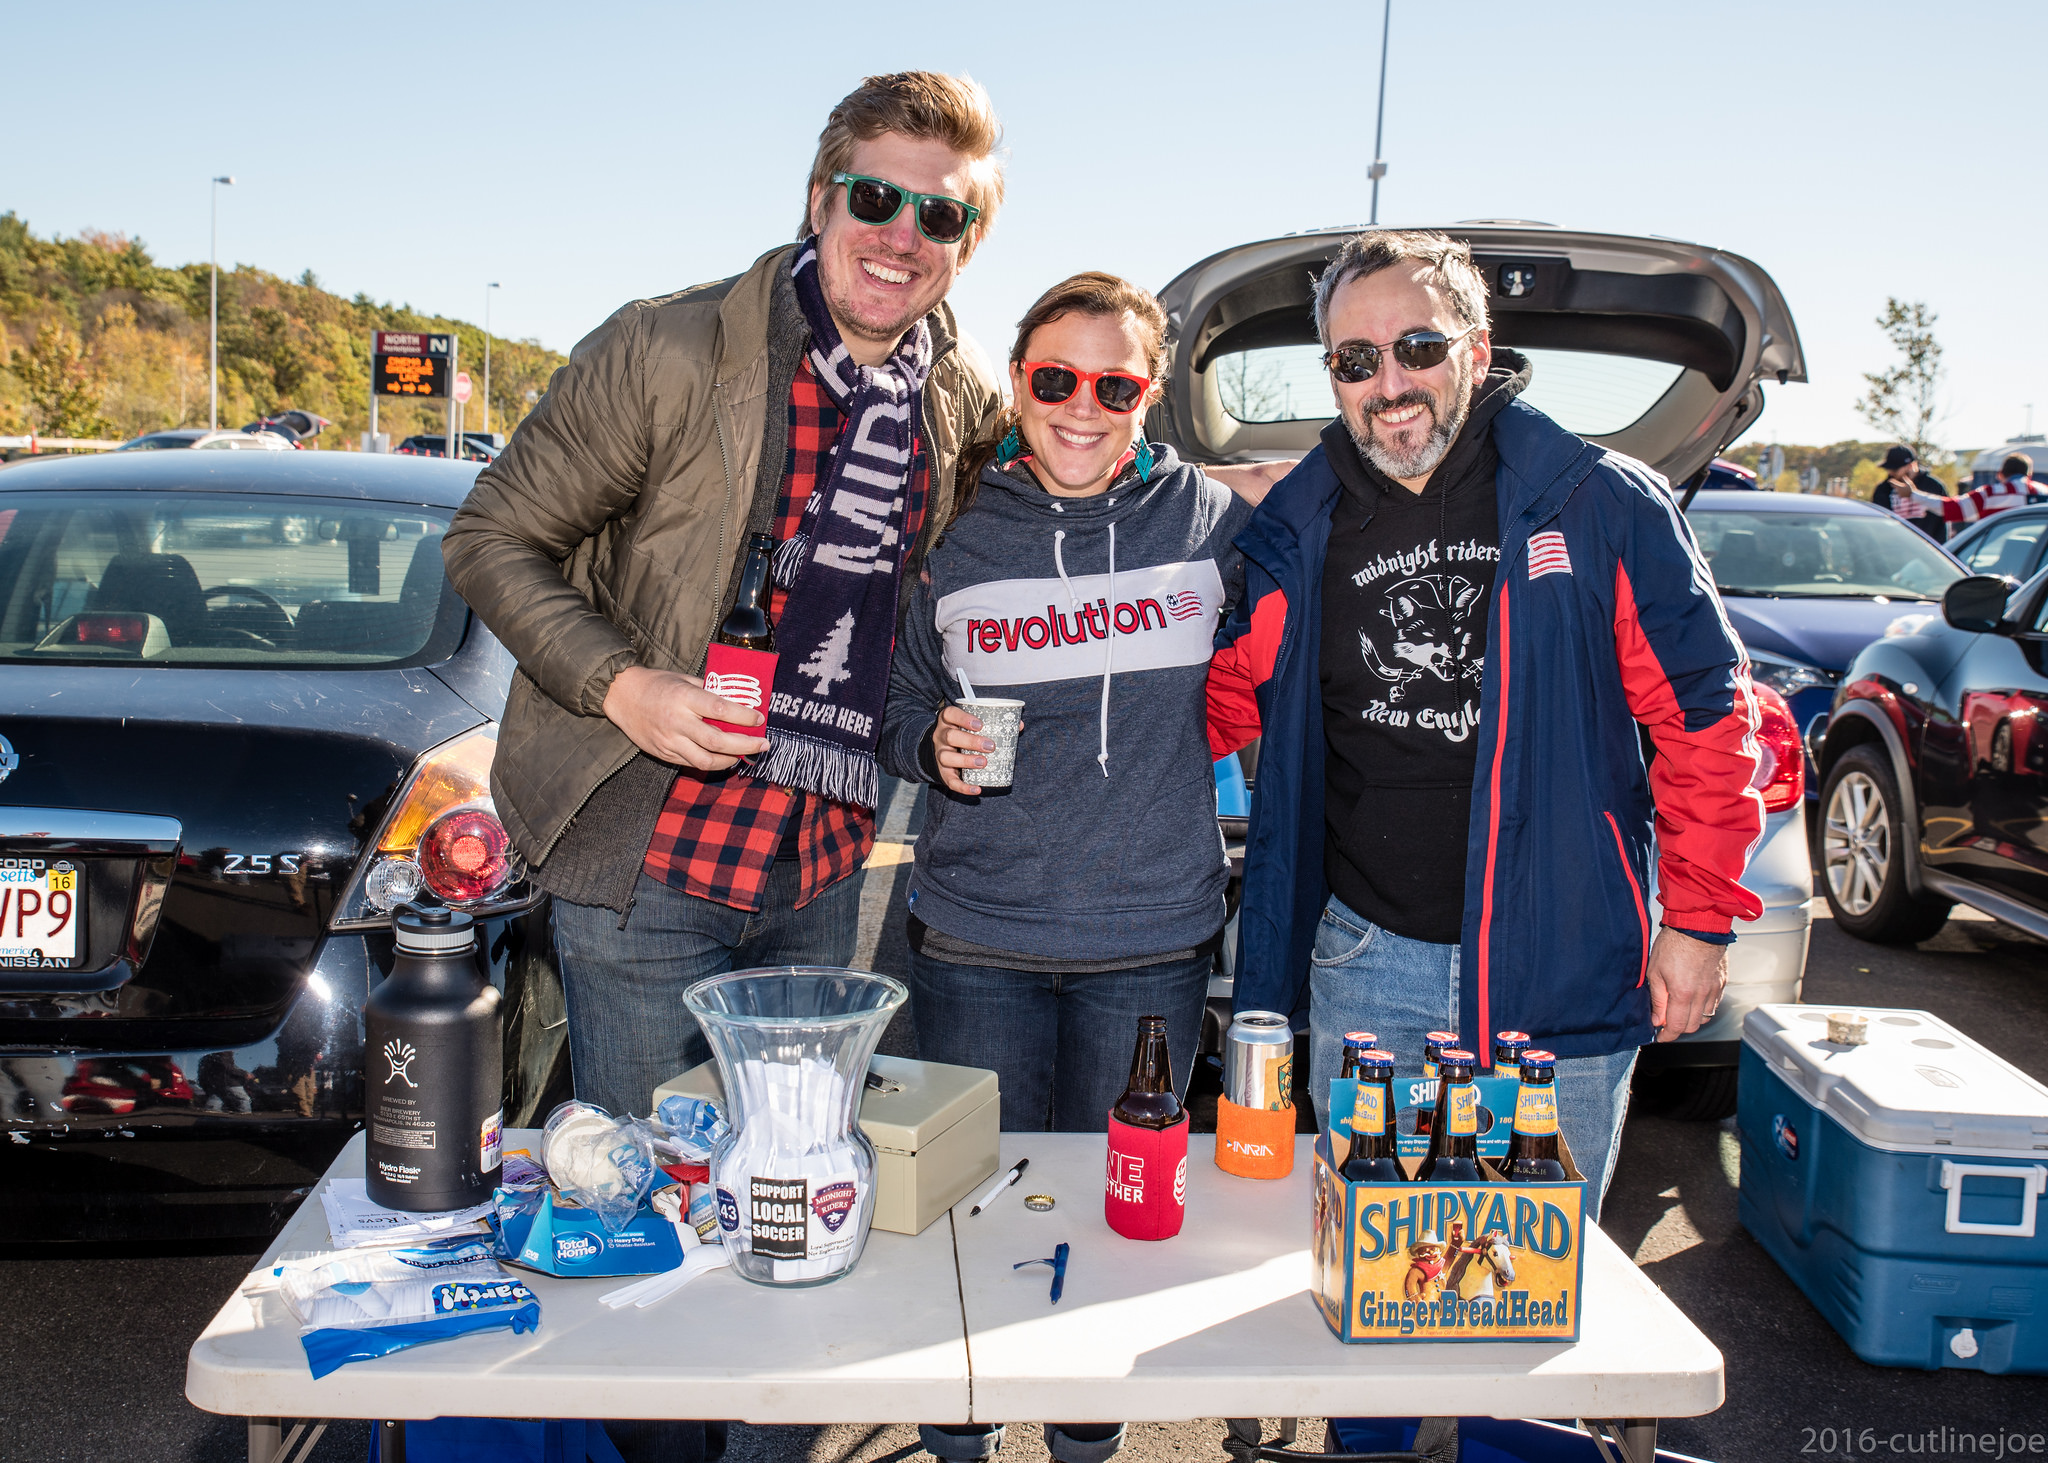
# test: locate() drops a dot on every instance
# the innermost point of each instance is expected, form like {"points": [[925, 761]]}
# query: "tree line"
{"points": [[99, 340]]}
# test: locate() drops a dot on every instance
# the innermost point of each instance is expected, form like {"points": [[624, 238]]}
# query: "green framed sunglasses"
{"points": [[877, 201]]}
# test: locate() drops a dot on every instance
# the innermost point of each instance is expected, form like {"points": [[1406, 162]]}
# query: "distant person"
{"points": [[2014, 488], [1913, 495]]}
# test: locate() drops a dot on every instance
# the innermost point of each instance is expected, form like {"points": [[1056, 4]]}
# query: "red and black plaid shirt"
{"points": [[720, 831]]}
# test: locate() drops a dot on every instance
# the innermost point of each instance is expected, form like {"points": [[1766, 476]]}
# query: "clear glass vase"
{"points": [[795, 1177]]}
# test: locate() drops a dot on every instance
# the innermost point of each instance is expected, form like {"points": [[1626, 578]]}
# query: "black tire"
{"points": [[1862, 854], [1689, 1094]]}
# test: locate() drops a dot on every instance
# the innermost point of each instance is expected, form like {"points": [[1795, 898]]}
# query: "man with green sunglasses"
{"points": [[605, 545]]}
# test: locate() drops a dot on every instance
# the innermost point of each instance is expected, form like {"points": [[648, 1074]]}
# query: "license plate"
{"points": [[40, 907]]}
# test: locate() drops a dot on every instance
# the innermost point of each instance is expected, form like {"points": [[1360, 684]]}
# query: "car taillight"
{"points": [[126, 631], [1781, 765], [466, 856], [442, 837]]}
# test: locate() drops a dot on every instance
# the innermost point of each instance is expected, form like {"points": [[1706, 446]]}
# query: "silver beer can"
{"points": [[1258, 1061]]}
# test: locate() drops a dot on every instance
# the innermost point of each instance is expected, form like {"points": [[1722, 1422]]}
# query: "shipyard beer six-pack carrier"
{"points": [[1450, 1250]]}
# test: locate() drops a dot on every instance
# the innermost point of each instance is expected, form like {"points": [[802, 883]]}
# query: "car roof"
{"points": [[362, 476], [1745, 501]]}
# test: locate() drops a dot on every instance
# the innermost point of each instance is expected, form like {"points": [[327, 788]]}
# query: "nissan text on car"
{"points": [[1652, 347]]}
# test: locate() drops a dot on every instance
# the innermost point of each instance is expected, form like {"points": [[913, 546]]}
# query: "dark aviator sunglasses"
{"points": [[1418, 350]]}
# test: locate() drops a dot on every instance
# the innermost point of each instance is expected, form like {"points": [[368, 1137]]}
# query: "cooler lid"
{"points": [[1917, 1084]]}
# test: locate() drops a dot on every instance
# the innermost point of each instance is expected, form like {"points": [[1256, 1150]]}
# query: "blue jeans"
{"points": [[1364, 977], [628, 1029], [1060, 1045]]}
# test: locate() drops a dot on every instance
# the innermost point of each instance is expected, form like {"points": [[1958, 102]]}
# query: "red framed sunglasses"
{"points": [[1116, 391]]}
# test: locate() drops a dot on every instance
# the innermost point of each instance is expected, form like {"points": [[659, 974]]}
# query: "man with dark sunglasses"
{"points": [[821, 397], [1457, 617]]}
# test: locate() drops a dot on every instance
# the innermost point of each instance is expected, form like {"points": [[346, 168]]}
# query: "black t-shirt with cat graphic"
{"points": [[1405, 593]]}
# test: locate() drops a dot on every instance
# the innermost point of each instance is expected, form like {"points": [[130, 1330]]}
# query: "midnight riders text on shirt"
{"points": [[1405, 594]]}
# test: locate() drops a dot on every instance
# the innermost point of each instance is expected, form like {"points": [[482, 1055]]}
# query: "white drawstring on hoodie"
{"points": [[1109, 648]]}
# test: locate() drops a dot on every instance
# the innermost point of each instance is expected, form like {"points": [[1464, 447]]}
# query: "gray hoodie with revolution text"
{"points": [[1099, 614]]}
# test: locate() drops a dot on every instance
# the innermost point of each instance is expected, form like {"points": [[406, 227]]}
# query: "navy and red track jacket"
{"points": [[1603, 616]]}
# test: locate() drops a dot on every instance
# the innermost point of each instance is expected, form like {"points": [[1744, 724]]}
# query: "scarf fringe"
{"points": [[842, 774], [791, 555]]}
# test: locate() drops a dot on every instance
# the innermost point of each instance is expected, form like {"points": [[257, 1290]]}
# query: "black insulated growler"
{"points": [[434, 1069]]}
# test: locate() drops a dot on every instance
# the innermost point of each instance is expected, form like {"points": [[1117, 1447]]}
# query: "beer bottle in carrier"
{"points": [[1354, 1043], [1533, 1155], [1146, 1191], [1454, 1135], [1508, 1047], [435, 1071], [740, 663], [1371, 1158], [1432, 1045]]}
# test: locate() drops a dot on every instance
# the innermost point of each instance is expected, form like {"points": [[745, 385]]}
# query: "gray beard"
{"points": [[1425, 459]]}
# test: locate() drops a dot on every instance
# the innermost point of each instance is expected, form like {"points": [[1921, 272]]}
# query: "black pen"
{"points": [[998, 1186]]}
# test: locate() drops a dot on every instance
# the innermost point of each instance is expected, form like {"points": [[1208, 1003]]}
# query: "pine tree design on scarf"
{"points": [[828, 662]]}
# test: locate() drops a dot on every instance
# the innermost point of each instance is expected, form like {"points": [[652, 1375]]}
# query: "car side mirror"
{"points": [[1977, 604]]}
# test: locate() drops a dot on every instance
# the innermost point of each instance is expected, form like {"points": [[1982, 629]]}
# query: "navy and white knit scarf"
{"points": [[842, 565]]}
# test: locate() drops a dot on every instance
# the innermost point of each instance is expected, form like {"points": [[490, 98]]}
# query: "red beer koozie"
{"points": [[745, 676], [1146, 1193]]}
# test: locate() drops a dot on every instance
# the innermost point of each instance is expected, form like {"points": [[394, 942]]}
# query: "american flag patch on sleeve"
{"points": [[1547, 555]]}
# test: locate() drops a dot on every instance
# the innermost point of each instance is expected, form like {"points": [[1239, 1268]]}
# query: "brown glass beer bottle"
{"points": [[747, 625], [1532, 1155], [1354, 1043], [1454, 1135], [1148, 1100], [1371, 1158]]}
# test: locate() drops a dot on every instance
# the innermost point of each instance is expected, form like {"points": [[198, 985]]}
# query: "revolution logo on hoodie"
{"points": [[1100, 614]]}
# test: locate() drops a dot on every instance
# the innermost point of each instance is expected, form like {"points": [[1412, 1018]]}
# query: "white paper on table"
{"points": [[353, 1220]]}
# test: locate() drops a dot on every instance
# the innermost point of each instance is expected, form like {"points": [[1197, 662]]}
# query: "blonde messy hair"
{"points": [[927, 105]]}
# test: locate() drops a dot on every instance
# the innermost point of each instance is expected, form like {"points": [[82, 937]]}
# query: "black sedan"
{"points": [[1935, 769], [224, 758]]}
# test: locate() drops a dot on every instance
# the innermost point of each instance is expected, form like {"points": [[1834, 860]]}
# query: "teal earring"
{"points": [[1144, 460], [1011, 447]]}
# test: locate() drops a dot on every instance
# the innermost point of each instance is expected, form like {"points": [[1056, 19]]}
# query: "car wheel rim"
{"points": [[1856, 843]]}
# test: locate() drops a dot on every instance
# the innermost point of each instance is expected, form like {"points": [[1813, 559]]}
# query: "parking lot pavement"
{"points": [[101, 1376]]}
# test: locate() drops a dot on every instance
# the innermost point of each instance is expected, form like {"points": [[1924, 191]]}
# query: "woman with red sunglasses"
{"points": [[1084, 578]]}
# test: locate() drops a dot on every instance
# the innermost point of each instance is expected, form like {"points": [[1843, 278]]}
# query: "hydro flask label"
{"points": [[1536, 1111], [780, 1217], [392, 1137], [1464, 1111], [399, 1055]]}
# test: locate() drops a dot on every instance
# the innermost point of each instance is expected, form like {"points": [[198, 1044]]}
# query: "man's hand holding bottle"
{"points": [[668, 717]]}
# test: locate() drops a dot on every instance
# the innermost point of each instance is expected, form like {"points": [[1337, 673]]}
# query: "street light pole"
{"points": [[213, 318], [487, 356], [1379, 166]]}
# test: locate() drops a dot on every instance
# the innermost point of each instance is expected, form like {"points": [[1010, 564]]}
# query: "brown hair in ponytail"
{"points": [[1091, 293]]}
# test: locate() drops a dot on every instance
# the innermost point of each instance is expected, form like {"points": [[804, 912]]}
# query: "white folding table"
{"points": [[1214, 1323]]}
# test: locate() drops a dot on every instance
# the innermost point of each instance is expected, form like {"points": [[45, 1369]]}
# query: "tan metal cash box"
{"points": [[936, 1130]]}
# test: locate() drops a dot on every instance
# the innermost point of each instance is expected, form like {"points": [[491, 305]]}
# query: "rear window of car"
{"points": [[1584, 392], [191, 579], [1821, 556]]}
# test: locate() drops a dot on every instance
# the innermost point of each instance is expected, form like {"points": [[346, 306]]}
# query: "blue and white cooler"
{"points": [[1898, 1179]]}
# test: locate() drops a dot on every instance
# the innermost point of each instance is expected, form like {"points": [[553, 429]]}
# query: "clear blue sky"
{"points": [[608, 151]]}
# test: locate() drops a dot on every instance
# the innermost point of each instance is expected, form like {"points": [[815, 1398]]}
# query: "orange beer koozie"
{"points": [[1145, 1196], [745, 676], [1254, 1142]]}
